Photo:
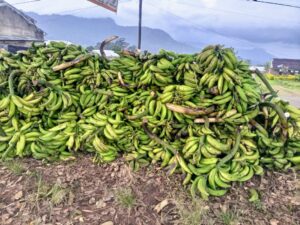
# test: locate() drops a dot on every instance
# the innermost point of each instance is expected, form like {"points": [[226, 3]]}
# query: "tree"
{"points": [[132, 48], [90, 48], [116, 46]]}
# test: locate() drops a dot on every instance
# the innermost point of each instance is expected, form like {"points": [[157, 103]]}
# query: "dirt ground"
{"points": [[80, 192], [291, 95]]}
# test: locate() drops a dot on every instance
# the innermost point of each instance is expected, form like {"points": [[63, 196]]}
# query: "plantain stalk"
{"points": [[266, 82], [105, 42], [2, 132], [138, 116], [11, 81], [72, 63], [233, 151], [189, 111], [157, 139], [3, 84], [210, 120], [279, 111]]}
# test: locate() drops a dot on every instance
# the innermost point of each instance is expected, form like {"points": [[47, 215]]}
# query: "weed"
{"points": [[229, 217], [57, 194], [14, 166], [258, 205], [125, 197], [192, 214]]}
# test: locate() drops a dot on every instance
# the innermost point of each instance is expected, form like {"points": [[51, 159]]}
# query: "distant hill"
{"points": [[86, 31], [257, 56], [89, 31]]}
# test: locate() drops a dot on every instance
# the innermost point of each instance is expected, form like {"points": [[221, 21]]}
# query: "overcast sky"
{"points": [[274, 28]]}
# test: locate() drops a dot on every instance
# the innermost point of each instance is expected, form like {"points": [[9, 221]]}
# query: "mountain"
{"points": [[87, 32], [202, 37], [257, 56]]}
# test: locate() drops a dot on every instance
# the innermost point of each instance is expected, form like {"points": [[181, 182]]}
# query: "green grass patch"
{"points": [[125, 197], [294, 85]]}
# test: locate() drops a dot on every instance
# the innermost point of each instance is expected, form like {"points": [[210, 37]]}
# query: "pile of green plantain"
{"points": [[202, 115]]}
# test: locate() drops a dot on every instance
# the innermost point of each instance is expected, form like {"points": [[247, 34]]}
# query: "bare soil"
{"points": [[85, 193], [288, 94]]}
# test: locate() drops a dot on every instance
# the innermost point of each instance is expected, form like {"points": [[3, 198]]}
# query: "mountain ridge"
{"points": [[89, 31]]}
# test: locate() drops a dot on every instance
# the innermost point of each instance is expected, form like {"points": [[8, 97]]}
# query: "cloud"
{"points": [[255, 23], [209, 3]]}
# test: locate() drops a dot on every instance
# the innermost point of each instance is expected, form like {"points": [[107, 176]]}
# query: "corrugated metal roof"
{"points": [[15, 38], [28, 19]]}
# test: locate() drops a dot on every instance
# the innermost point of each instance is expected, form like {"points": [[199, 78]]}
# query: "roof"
{"points": [[108, 53], [260, 68], [14, 38], [28, 19], [20, 13], [290, 63], [287, 60]]}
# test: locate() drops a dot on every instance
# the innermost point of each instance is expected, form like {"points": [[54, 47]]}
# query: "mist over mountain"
{"points": [[89, 31]]}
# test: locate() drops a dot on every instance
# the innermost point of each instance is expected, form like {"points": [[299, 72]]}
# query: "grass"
{"points": [[55, 193], [14, 166], [290, 84], [229, 217], [294, 85], [192, 212], [258, 205], [125, 197]]}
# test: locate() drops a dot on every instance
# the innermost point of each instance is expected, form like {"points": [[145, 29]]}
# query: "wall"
{"points": [[12, 24]]}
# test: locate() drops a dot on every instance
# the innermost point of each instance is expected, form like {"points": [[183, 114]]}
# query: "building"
{"points": [[110, 54], [262, 69], [17, 30], [286, 66]]}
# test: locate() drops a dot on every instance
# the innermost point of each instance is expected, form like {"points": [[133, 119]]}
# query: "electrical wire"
{"points": [[78, 9], [276, 3], [19, 3]]}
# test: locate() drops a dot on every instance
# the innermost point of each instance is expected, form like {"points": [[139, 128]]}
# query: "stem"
{"points": [[2, 132], [189, 111], [11, 147], [210, 120], [157, 139], [233, 151], [44, 82], [279, 112], [120, 78], [138, 116], [104, 43], [122, 83], [266, 82], [110, 93], [3, 84], [11, 81], [72, 63]]}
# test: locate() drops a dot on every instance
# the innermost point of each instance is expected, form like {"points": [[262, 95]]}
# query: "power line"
{"points": [[78, 9], [275, 3], [258, 17], [19, 3]]}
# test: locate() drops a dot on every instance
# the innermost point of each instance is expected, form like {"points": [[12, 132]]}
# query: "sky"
{"points": [[244, 24]]}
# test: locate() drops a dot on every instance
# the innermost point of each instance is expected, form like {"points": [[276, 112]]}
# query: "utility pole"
{"points": [[140, 24]]}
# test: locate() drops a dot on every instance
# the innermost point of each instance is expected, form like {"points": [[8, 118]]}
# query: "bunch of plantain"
{"points": [[202, 115]]}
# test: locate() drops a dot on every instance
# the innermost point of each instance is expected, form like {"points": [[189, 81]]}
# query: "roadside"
{"points": [[80, 192], [289, 93], [287, 90]]}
